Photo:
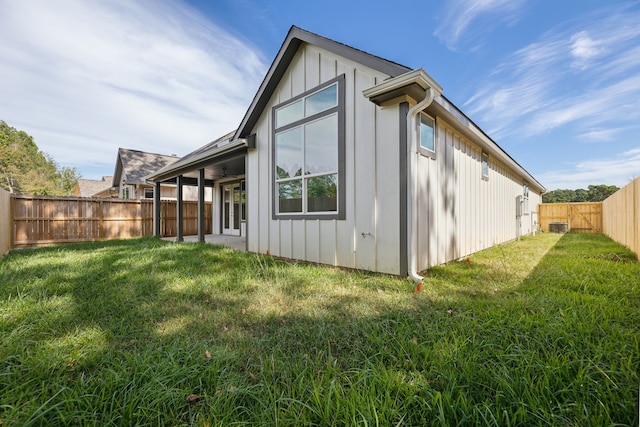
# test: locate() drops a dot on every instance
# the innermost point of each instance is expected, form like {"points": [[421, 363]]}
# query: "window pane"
{"points": [[289, 114], [322, 192], [322, 100], [321, 145], [289, 153], [426, 133], [290, 196], [485, 165]]}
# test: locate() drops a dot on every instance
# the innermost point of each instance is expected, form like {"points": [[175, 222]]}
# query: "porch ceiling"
{"points": [[219, 169]]}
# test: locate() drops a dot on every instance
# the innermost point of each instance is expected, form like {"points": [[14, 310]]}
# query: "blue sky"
{"points": [[555, 83]]}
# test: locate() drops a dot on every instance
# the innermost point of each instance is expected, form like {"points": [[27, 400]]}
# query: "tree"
{"points": [[595, 193], [24, 169], [67, 179]]}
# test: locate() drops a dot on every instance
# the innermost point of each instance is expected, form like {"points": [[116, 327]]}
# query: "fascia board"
{"points": [[418, 76], [292, 42], [470, 129], [178, 168]]}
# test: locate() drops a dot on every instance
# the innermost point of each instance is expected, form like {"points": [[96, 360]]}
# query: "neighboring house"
{"points": [[348, 159], [101, 188], [132, 167]]}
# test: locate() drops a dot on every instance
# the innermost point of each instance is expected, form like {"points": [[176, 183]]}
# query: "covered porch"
{"points": [[219, 165]]}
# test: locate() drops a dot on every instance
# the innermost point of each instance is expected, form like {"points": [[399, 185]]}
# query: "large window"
{"points": [[308, 154], [427, 135]]}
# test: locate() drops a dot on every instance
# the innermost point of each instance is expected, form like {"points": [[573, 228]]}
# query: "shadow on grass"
{"points": [[261, 341]]}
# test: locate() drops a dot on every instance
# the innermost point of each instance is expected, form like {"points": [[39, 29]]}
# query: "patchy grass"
{"points": [[545, 331]]}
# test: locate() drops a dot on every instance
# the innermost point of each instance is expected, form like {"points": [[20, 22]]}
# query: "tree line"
{"points": [[24, 169], [594, 193]]}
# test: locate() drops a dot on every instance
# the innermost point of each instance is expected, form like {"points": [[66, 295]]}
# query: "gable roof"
{"points": [[90, 187], [135, 165], [294, 39], [292, 42]]}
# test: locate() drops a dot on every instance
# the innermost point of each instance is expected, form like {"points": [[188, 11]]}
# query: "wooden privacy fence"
{"points": [[621, 212], [6, 224], [39, 220], [581, 217]]}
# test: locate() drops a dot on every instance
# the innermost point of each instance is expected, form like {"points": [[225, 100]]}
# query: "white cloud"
{"points": [[617, 170], [600, 135], [85, 78], [455, 28], [583, 49], [612, 103], [582, 73]]}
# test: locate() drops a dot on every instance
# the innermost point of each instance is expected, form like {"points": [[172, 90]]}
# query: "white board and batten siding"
{"points": [[459, 212], [368, 237]]}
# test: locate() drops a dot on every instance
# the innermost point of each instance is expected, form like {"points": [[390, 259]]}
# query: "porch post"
{"points": [[201, 204], [156, 210], [179, 211]]}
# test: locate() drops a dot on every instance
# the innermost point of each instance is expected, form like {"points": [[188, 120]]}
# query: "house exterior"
{"points": [[132, 166], [101, 188], [348, 159]]}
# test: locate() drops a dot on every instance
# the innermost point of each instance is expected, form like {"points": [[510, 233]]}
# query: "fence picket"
{"points": [[42, 220]]}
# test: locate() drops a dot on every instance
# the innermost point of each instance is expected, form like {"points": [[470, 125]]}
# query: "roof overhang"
{"points": [[413, 84], [224, 151], [445, 109], [294, 39]]}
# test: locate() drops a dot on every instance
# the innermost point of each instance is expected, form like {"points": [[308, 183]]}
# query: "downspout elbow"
{"points": [[411, 177]]}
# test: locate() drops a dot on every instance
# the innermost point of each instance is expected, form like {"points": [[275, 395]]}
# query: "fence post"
{"points": [[635, 199], [156, 210]]}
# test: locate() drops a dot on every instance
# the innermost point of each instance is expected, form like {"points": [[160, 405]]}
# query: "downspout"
{"points": [[412, 184]]}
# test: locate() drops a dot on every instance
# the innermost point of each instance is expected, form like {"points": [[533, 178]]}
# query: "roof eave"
{"points": [[179, 168], [295, 38], [456, 117], [413, 83]]}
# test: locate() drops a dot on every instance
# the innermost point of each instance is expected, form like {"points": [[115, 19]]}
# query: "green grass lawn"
{"points": [[544, 331]]}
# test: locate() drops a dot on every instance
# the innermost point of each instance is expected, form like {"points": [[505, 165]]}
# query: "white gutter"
{"points": [[412, 178]]}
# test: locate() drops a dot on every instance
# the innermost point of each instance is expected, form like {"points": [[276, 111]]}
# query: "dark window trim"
{"points": [[340, 109]]}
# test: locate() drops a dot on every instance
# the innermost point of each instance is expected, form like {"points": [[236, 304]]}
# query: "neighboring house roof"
{"points": [[132, 166], [91, 187], [294, 39]]}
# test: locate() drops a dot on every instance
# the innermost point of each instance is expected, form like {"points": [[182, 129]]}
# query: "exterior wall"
{"points": [[460, 212], [167, 192], [216, 205], [171, 193], [189, 192], [368, 237]]}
